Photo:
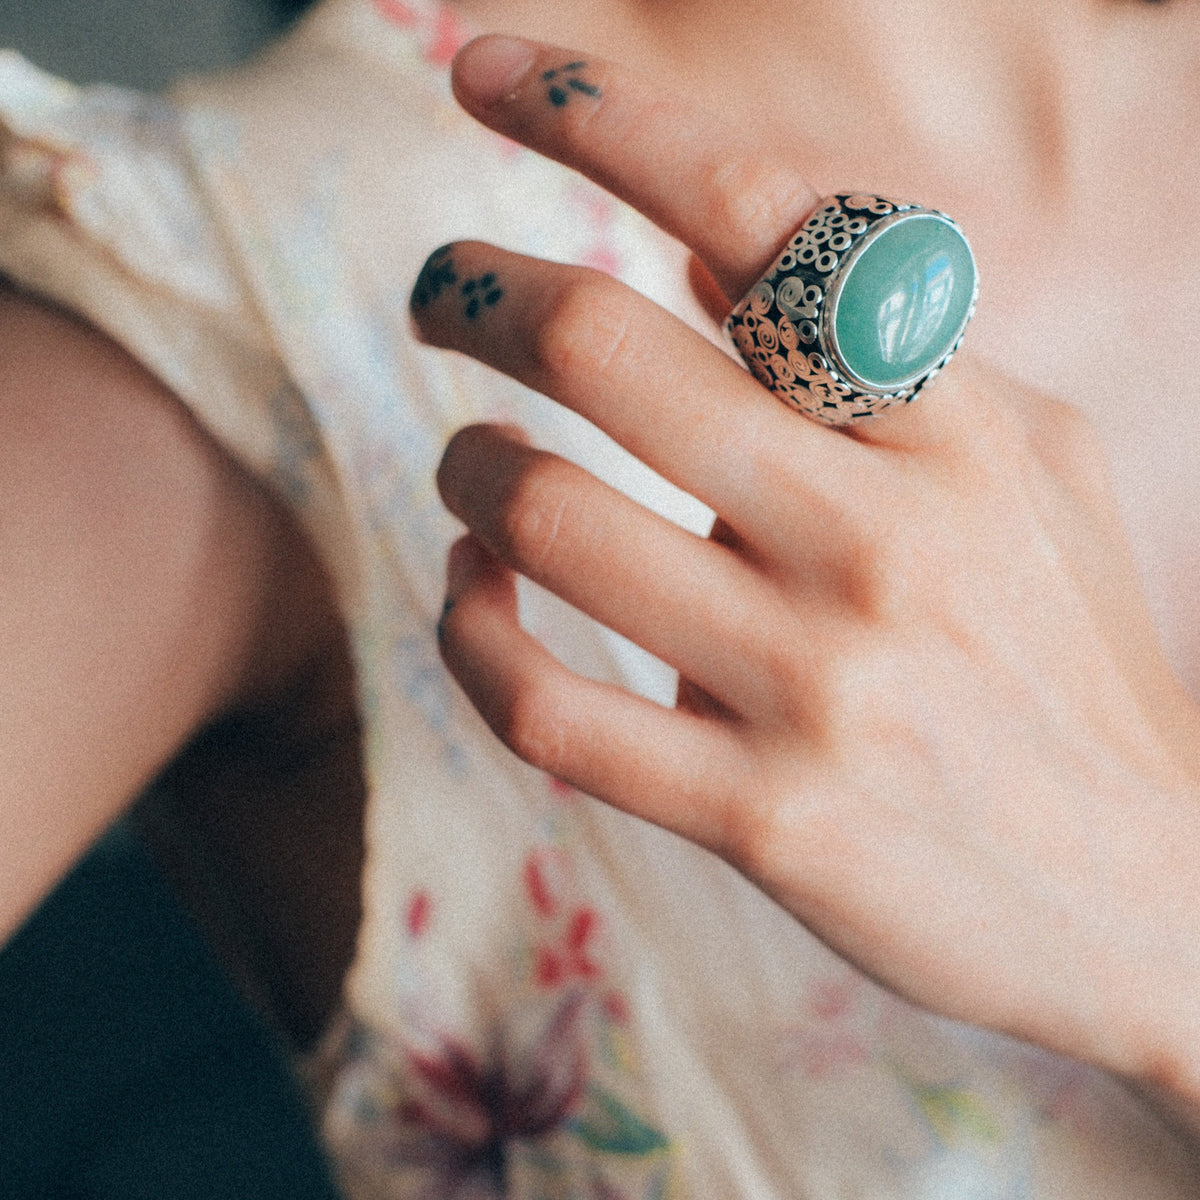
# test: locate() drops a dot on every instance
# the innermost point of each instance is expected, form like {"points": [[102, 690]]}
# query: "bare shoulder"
{"points": [[139, 591]]}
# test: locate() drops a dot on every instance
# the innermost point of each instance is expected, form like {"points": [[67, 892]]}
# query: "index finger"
{"points": [[728, 199], [733, 201]]}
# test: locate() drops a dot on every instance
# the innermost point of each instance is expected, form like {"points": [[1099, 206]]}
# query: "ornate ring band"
{"points": [[861, 309]]}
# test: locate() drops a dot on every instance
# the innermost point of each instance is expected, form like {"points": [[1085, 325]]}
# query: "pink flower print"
{"points": [[1060, 1089], [832, 999], [570, 952], [456, 1113], [560, 789], [442, 36], [571, 957], [601, 258], [616, 1008], [826, 1054], [601, 213], [832, 1036], [396, 12], [547, 878], [418, 914], [449, 37]]}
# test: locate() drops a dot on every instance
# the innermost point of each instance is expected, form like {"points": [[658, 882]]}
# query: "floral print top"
{"points": [[551, 999]]}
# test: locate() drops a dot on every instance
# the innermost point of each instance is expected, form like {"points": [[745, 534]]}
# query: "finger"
{"points": [[734, 199], [660, 389], [719, 190], [707, 291], [655, 762], [691, 602]]}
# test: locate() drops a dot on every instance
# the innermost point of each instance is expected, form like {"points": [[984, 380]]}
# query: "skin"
{"points": [[871, 726], [1044, 129], [152, 591], [1006, 511]]}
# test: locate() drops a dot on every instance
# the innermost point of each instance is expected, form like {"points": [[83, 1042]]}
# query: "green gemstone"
{"points": [[904, 301]]}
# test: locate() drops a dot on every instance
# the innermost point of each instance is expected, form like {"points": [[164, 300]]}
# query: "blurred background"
{"points": [[130, 1067], [139, 43]]}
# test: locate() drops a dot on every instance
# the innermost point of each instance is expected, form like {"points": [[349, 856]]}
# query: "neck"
{"points": [[974, 83]]}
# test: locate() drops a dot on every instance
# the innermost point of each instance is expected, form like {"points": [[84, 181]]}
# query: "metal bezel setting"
{"points": [[793, 308], [829, 309]]}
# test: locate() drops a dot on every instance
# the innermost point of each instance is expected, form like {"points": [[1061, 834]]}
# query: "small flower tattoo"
{"points": [[563, 81], [479, 294], [440, 275]]}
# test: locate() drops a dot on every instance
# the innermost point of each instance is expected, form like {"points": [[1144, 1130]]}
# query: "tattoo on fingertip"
{"points": [[436, 276], [478, 294], [564, 80], [440, 275]]}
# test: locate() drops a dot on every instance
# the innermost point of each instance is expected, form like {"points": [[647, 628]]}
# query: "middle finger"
{"points": [[657, 387]]}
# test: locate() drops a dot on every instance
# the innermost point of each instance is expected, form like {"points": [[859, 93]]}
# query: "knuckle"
{"points": [[842, 688], [787, 670], [531, 513], [766, 834], [585, 327], [865, 558], [752, 199], [871, 554], [816, 684], [887, 567], [1071, 447], [534, 728], [872, 587], [749, 833]]}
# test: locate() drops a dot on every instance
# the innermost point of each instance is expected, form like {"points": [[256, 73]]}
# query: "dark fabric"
{"points": [[290, 8], [129, 1067]]}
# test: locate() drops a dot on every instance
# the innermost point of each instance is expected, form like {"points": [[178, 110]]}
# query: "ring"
{"points": [[865, 305]]}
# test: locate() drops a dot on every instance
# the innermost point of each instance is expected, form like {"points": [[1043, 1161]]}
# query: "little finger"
{"points": [[657, 763]]}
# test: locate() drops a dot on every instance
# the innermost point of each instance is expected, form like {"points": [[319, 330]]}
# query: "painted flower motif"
{"points": [[443, 1122], [571, 948], [451, 1116], [442, 31], [832, 1038], [572, 957], [552, 1099], [396, 12]]}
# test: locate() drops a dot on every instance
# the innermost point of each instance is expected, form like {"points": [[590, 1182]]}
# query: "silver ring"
{"points": [[864, 306]]}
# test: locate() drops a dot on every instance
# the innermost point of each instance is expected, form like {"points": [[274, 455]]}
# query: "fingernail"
{"points": [[447, 609], [436, 276], [461, 566], [489, 68]]}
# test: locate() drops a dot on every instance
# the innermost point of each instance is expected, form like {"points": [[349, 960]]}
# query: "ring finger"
{"points": [[567, 531]]}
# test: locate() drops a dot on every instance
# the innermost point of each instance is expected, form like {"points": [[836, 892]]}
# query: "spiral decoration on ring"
{"points": [[781, 327]]}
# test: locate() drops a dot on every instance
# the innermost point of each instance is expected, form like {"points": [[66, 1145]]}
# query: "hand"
{"points": [[921, 703]]}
